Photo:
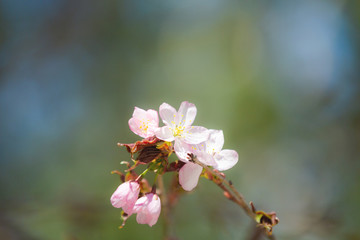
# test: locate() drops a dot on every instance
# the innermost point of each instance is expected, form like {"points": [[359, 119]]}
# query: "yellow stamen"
{"points": [[178, 130]]}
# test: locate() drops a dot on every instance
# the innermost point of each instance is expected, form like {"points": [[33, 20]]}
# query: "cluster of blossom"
{"points": [[179, 136]]}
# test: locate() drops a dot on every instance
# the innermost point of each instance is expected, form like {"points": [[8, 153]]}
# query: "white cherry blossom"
{"points": [[178, 126], [209, 153]]}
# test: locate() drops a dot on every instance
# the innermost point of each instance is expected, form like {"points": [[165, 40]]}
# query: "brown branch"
{"points": [[239, 198], [231, 193]]}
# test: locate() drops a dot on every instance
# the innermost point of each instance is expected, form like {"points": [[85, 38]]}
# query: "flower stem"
{"points": [[142, 174]]}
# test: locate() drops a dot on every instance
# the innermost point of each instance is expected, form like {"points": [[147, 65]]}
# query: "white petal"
{"points": [[186, 114], [226, 159], [215, 142], [165, 133], [189, 176], [167, 114], [195, 134], [182, 149], [206, 158]]}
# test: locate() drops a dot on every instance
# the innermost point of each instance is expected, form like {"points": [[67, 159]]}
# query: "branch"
{"points": [[239, 199], [232, 194]]}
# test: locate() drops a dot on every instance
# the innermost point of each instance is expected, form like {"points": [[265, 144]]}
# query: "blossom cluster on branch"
{"points": [[199, 153]]}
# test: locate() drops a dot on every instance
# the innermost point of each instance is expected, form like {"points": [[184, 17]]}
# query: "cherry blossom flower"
{"points": [[148, 209], [209, 153], [178, 126], [144, 123], [125, 196], [224, 159]]}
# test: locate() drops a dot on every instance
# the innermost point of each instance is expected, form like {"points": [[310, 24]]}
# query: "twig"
{"points": [[231, 193], [239, 198]]}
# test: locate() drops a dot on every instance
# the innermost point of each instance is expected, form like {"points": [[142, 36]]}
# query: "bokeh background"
{"points": [[281, 78]]}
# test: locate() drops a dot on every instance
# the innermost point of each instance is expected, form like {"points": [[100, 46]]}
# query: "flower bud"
{"points": [[148, 209], [125, 196]]}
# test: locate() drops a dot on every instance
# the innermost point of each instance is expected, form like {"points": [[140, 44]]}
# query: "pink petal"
{"points": [[226, 159], [154, 209], [139, 113], [215, 142], [167, 114], [148, 209], [153, 116], [195, 134], [186, 114], [134, 127], [165, 133], [125, 196], [142, 217], [189, 176], [139, 204]]}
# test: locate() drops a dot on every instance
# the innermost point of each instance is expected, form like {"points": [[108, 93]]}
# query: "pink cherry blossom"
{"points": [[125, 196], [178, 126], [144, 123], [148, 209]]}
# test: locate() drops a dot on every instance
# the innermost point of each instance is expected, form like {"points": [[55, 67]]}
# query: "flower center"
{"points": [[178, 130], [144, 126]]}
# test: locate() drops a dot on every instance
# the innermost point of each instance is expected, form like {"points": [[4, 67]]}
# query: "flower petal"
{"points": [[167, 114], [189, 176], [141, 209], [125, 196], [165, 133], [152, 115], [134, 127], [153, 122], [206, 158], [182, 149], [195, 134], [215, 142], [148, 209], [139, 113], [186, 114], [139, 204], [226, 159], [154, 209]]}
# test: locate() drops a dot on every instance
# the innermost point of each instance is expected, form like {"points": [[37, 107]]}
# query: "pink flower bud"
{"points": [[125, 196], [148, 209]]}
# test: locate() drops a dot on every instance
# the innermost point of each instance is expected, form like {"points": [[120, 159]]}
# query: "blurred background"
{"points": [[280, 78]]}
